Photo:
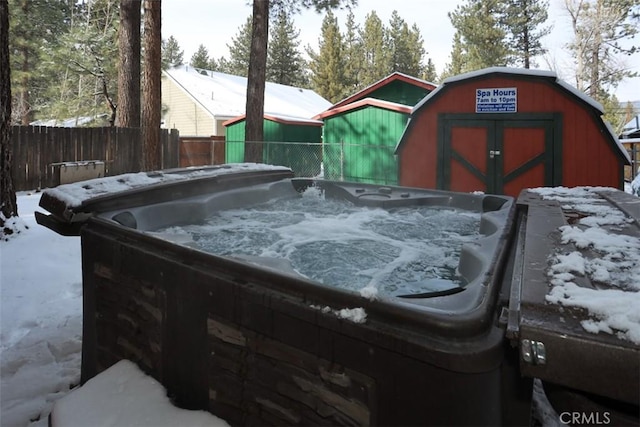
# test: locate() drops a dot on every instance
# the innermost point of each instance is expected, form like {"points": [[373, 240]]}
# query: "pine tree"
{"points": [[258, 62], [481, 34], [599, 27], [240, 50], [285, 64], [151, 86], [30, 81], [458, 58], [430, 73], [128, 112], [523, 20], [256, 81], [375, 45], [353, 57], [200, 59], [405, 46], [84, 63], [8, 203], [172, 55], [327, 66], [213, 65]]}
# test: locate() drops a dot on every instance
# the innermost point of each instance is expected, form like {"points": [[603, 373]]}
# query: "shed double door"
{"points": [[498, 156]]}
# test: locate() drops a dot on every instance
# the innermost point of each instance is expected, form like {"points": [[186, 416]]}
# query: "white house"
{"points": [[197, 101]]}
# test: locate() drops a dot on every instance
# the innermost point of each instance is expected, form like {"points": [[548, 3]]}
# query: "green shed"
{"points": [[359, 141], [288, 141], [360, 132]]}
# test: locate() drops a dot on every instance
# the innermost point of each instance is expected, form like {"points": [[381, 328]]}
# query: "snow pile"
{"points": [[124, 396], [355, 315], [613, 264], [11, 227], [635, 185], [369, 292], [76, 193]]}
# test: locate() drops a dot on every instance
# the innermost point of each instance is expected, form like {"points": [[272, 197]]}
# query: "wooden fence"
{"points": [[201, 150], [36, 150]]}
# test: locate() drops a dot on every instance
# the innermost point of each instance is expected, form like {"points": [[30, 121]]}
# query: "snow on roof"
{"points": [[517, 71], [616, 261], [224, 95], [633, 126], [75, 194]]}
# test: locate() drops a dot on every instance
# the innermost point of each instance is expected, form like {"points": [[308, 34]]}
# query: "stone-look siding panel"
{"points": [[129, 320], [256, 379]]}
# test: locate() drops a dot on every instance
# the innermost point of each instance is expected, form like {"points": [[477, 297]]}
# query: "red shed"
{"points": [[500, 130]]}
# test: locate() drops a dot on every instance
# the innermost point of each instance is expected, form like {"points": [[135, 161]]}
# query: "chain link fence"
{"points": [[367, 163]]}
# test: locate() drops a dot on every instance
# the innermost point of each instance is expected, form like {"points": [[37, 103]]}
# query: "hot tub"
{"points": [[256, 340]]}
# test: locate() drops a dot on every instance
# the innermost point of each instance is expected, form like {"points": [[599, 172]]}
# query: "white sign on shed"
{"points": [[497, 100]]}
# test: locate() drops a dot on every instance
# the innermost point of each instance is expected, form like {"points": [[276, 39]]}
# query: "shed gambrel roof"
{"points": [[224, 95], [524, 73], [396, 76]]}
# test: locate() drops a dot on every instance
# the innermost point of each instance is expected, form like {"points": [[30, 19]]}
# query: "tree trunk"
{"points": [[254, 132], [128, 107], [24, 108], [8, 204], [151, 90]]}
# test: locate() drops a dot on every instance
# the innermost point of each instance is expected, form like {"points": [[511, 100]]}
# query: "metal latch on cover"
{"points": [[533, 352], [493, 153]]}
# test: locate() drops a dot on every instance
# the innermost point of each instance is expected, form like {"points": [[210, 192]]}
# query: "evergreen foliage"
{"points": [[481, 35], [239, 51], [172, 55], [200, 59], [524, 20], [405, 47], [353, 57], [29, 46], [430, 74], [327, 66], [285, 64], [375, 45], [84, 64], [602, 30], [496, 33]]}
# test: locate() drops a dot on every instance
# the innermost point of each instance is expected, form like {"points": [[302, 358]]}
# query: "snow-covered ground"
{"points": [[41, 340], [41, 328]]}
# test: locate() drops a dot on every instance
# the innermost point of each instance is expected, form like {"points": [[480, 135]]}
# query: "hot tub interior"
{"points": [[392, 241]]}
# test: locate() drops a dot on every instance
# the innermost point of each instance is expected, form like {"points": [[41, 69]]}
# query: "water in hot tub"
{"points": [[402, 251]]}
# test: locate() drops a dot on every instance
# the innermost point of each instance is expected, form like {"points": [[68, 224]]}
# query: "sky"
{"points": [[41, 317], [213, 23]]}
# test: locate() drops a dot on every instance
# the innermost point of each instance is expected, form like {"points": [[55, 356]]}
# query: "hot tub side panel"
{"points": [[219, 338]]}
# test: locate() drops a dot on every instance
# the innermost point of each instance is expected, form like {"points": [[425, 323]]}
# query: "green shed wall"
{"points": [[400, 92], [359, 145], [234, 143], [303, 153]]}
